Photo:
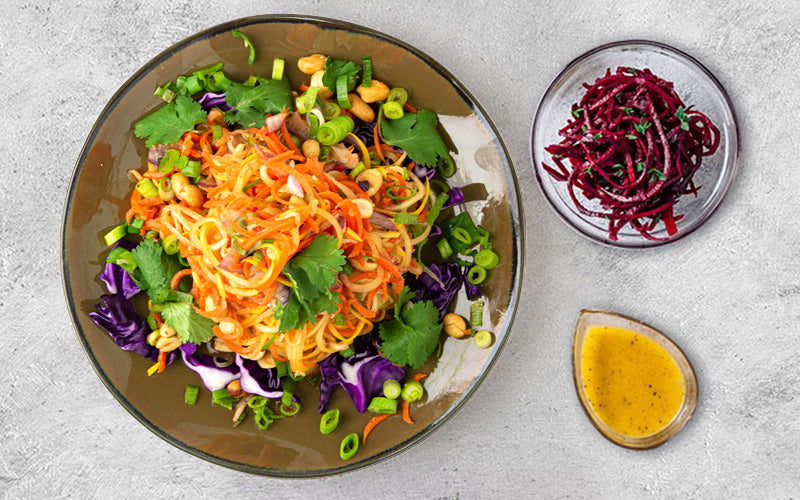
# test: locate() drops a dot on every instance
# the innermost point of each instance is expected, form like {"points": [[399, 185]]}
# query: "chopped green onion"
{"points": [[341, 92], [281, 368], [146, 188], [193, 85], [391, 388], [476, 275], [151, 322], [390, 192], [445, 250], [115, 234], [165, 93], [262, 419], [252, 57], [366, 71], [330, 110], [393, 110], [448, 169], [123, 258], [398, 95], [329, 421], [290, 410], [313, 128], [257, 402], [486, 259], [277, 68], [306, 101], [476, 314], [155, 308], [346, 353], [216, 132], [360, 167], [404, 218], [287, 386], [165, 191], [436, 208], [169, 295], [190, 396], [379, 404], [222, 398], [412, 391], [334, 131], [136, 225], [462, 235], [464, 221], [349, 446], [252, 184], [192, 169], [340, 319], [484, 338], [168, 161], [170, 244]]}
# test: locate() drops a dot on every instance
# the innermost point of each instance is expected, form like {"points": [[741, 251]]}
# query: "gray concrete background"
{"points": [[729, 293]]}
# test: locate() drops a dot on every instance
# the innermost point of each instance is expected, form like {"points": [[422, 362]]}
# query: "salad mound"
{"points": [[278, 236]]}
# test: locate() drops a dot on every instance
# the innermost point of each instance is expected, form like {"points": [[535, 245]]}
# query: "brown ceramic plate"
{"points": [[97, 201]]}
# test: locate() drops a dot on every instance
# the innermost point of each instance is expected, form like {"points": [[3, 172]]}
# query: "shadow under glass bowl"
{"points": [[695, 85], [97, 201]]}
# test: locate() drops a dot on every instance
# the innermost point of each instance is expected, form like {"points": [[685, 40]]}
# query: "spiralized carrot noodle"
{"points": [[264, 204]]}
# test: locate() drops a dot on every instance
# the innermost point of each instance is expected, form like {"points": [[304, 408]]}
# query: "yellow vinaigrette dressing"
{"points": [[632, 383]]}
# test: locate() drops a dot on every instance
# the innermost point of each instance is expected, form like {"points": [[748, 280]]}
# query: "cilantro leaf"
{"points": [[167, 124], [190, 325], [249, 105], [409, 339], [150, 275], [335, 68], [154, 268], [416, 134], [312, 273]]}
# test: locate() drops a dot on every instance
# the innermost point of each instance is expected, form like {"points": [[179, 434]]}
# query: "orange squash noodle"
{"points": [[267, 202]]}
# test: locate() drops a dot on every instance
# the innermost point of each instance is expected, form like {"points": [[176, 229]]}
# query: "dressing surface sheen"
{"points": [[633, 384]]}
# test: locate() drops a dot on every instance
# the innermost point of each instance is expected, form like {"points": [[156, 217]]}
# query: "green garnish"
{"points": [[167, 124], [413, 334], [416, 134], [248, 44], [249, 105], [188, 323]]}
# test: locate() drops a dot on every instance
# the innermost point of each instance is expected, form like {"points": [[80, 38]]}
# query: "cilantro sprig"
{"points": [[312, 273], [167, 124], [413, 334], [250, 105], [416, 134]]}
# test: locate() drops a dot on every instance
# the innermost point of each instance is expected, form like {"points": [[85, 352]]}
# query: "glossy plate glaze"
{"points": [[589, 319], [97, 201]]}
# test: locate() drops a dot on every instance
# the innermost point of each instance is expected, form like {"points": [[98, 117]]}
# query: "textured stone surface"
{"points": [[729, 294]]}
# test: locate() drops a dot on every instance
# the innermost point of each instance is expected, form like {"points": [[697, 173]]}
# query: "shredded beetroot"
{"points": [[632, 145]]}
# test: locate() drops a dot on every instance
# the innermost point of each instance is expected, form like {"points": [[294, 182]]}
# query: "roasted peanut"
{"points": [[179, 181], [311, 64], [379, 91], [192, 195], [364, 207], [311, 149], [362, 110], [166, 331], [267, 361], [167, 344], [235, 389], [454, 325], [316, 81]]}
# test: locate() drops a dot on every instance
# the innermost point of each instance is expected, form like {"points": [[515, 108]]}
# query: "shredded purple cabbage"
{"points": [[214, 377], [423, 172], [361, 376], [257, 380], [118, 281], [211, 99], [116, 315], [365, 132], [440, 288], [456, 197]]}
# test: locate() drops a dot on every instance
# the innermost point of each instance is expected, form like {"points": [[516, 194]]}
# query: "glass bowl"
{"points": [[589, 319], [97, 201], [693, 83]]}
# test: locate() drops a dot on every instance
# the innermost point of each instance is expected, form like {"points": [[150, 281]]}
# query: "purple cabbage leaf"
{"points": [[214, 377], [361, 376], [438, 283]]}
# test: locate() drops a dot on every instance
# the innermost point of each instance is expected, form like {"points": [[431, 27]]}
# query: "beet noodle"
{"points": [[632, 145]]}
